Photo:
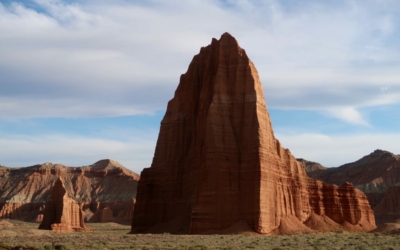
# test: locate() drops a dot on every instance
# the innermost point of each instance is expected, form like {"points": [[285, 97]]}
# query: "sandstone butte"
{"points": [[377, 175], [218, 168], [62, 213], [104, 184]]}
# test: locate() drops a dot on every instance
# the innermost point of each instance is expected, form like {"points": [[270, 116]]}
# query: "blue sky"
{"points": [[82, 81]]}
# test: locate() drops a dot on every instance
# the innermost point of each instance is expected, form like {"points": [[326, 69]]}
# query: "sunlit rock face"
{"points": [[217, 166], [106, 183]]}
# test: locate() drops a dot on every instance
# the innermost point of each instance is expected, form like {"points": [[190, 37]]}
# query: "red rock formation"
{"points": [[24, 191], [217, 163], [376, 174], [62, 213]]}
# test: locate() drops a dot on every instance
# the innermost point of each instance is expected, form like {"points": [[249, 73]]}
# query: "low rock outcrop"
{"points": [[217, 165], [103, 215], [376, 174], [106, 183], [62, 213]]}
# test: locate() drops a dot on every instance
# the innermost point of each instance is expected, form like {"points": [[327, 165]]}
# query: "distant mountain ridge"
{"points": [[376, 174], [106, 183], [310, 165]]}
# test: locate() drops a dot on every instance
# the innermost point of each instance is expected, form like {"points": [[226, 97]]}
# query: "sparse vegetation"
{"points": [[114, 236]]}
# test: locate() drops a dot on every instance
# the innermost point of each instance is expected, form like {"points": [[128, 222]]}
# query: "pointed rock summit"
{"points": [[62, 213], [217, 166]]}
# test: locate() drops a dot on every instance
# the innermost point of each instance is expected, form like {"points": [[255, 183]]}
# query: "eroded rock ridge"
{"points": [[376, 174], [104, 184]]}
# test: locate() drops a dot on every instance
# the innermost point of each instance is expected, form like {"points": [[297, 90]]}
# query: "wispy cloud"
{"points": [[349, 115]]}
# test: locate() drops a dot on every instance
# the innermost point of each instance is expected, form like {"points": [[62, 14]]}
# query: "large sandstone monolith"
{"points": [[217, 166], [62, 213]]}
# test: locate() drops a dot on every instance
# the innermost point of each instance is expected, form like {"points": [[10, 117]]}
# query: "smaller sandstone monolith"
{"points": [[62, 213]]}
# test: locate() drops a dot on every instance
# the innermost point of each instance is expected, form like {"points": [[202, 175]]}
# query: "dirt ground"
{"points": [[22, 235]]}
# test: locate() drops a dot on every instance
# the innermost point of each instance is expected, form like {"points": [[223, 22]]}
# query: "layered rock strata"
{"points": [[376, 174], [106, 183], [62, 213], [217, 165]]}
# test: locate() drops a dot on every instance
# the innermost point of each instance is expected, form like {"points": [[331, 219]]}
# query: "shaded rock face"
{"points": [[24, 191], [376, 174], [62, 213], [217, 163], [388, 208], [127, 213], [19, 210]]}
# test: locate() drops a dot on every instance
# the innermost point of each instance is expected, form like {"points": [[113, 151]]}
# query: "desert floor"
{"points": [[22, 235]]}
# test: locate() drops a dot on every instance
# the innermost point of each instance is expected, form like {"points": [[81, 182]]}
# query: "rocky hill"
{"points": [[104, 184], [376, 174], [311, 166]]}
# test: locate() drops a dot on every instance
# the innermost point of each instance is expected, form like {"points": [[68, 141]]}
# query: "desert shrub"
{"points": [[199, 247], [44, 247], [4, 245], [60, 247]]}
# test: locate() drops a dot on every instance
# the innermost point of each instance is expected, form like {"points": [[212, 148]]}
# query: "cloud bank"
{"points": [[100, 58]]}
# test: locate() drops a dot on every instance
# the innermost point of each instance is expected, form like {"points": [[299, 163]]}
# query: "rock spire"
{"points": [[62, 213]]}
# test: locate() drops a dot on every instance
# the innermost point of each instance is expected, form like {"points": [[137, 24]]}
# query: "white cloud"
{"points": [[307, 55], [349, 115], [335, 150], [14, 108], [134, 153]]}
